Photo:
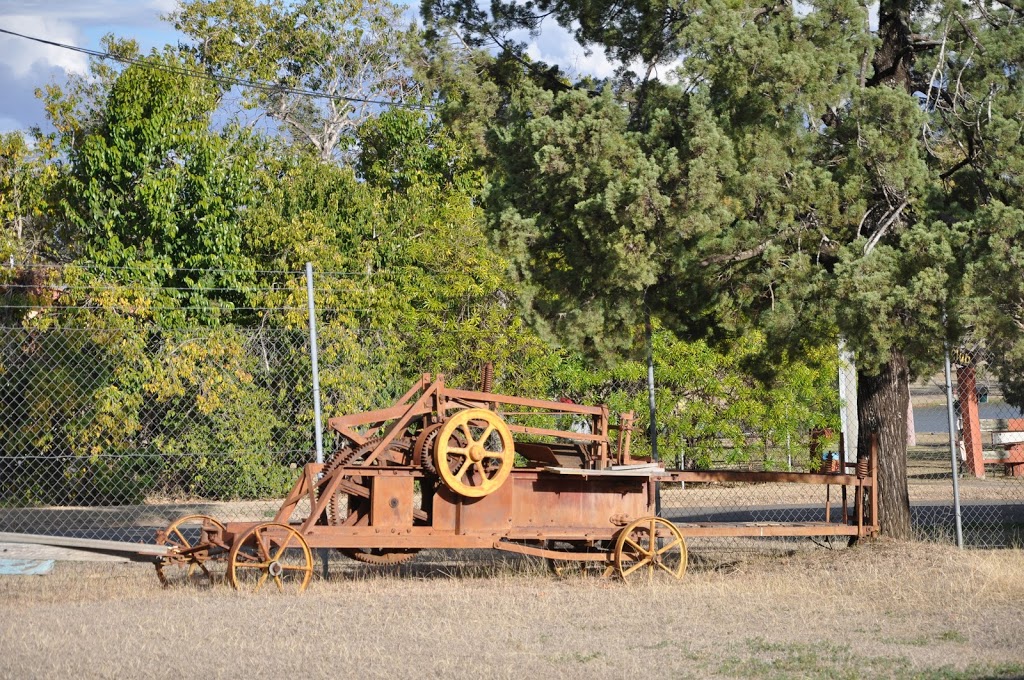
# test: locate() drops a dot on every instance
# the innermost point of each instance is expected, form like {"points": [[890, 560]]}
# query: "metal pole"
{"points": [[652, 405], [953, 451], [316, 367]]}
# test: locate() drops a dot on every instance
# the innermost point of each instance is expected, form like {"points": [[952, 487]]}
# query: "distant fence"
{"points": [[112, 428]]}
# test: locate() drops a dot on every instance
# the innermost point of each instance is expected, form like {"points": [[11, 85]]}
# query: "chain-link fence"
{"points": [[110, 432], [989, 447], [114, 423]]}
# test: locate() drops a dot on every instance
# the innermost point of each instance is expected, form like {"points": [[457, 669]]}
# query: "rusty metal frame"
{"points": [[534, 505]]}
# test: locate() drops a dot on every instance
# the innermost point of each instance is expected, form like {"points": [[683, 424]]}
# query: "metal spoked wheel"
{"points": [[194, 558], [484, 462], [270, 553], [652, 544]]}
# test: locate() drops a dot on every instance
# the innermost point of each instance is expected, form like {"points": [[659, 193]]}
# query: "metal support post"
{"points": [[318, 427], [653, 408], [953, 451], [318, 423]]}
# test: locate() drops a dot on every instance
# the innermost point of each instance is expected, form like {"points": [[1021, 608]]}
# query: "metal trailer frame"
{"points": [[581, 499]]}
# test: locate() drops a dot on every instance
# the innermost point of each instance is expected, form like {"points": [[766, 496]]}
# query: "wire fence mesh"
{"points": [[113, 424]]}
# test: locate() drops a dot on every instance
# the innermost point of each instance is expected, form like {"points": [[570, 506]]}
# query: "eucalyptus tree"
{"points": [[350, 55]]}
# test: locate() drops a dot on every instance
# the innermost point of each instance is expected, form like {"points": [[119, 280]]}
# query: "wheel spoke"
{"points": [[669, 546], [184, 541], [252, 565], [627, 572], [639, 548], [263, 548], [295, 567], [486, 434], [466, 431], [263, 579], [663, 566], [483, 473], [280, 585], [457, 449], [465, 466], [281, 549]]}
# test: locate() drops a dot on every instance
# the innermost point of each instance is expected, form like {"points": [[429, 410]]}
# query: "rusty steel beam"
{"points": [[491, 398], [537, 551], [757, 477]]}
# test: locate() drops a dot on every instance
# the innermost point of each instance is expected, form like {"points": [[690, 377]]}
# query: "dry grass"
{"points": [[878, 610]]}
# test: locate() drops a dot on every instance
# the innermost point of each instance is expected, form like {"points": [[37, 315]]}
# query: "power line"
{"points": [[141, 268], [228, 80]]}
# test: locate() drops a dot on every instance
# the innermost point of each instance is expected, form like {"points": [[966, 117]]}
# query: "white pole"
{"points": [[953, 452], [316, 368]]}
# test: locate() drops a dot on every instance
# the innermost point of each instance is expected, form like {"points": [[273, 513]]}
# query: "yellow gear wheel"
{"points": [[481, 466]]}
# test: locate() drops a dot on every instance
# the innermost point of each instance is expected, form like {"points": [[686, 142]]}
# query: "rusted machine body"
{"points": [[451, 468]]}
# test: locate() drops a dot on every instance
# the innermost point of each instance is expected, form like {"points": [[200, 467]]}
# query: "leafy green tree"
{"points": [[26, 173], [350, 53], [796, 173]]}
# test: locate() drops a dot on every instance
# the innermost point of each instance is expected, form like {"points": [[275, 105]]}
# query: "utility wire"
{"points": [[229, 80], [160, 269]]}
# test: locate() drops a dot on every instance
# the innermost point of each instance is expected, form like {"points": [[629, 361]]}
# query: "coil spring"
{"points": [[487, 377], [862, 467]]}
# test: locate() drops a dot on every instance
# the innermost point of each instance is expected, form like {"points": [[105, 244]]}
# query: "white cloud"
{"points": [[9, 124], [21, 56], [555, 45]]}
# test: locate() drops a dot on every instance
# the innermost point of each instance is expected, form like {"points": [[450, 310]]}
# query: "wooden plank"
{"points": [[1002, 456], [120, 547], [638, 471], [1004, 438], [744, 477], [29, 551], [766, 529], [25, 567]]}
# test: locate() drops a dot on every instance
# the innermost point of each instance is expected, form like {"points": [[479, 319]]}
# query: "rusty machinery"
{"points": [[453, 468]]}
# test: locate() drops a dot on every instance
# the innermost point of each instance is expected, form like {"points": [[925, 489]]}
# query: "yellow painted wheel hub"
{"points": [[483, 464]]}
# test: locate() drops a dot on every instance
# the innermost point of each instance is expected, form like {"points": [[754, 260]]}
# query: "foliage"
{"points": [[777, 167], [351, 53], [710, 410], [168, 354]]}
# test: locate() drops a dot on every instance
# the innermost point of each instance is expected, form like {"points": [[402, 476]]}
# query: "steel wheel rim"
{"points": [[653, 545], [470, 459], [271, 555]]}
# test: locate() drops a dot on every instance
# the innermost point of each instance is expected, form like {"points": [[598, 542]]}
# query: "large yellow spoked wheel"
{"points": [[484, 462], [652, 544], [270, 553]]}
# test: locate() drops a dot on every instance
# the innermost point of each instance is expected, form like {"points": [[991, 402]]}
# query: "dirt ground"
{"points": [[877, 610]]}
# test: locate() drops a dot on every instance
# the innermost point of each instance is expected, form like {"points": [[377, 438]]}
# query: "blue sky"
{"points": [[25, 65]]}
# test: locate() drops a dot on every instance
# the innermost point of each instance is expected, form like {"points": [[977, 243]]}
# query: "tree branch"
{"points": [[741, 256], [884, 227]]}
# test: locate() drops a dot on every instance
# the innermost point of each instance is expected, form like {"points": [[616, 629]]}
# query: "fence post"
{"points": [[953, 450], [652, 404], [318, 423]]}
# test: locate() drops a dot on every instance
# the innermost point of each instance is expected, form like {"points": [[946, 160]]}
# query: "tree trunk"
{"points": [[882, 400], [894, 57]]}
